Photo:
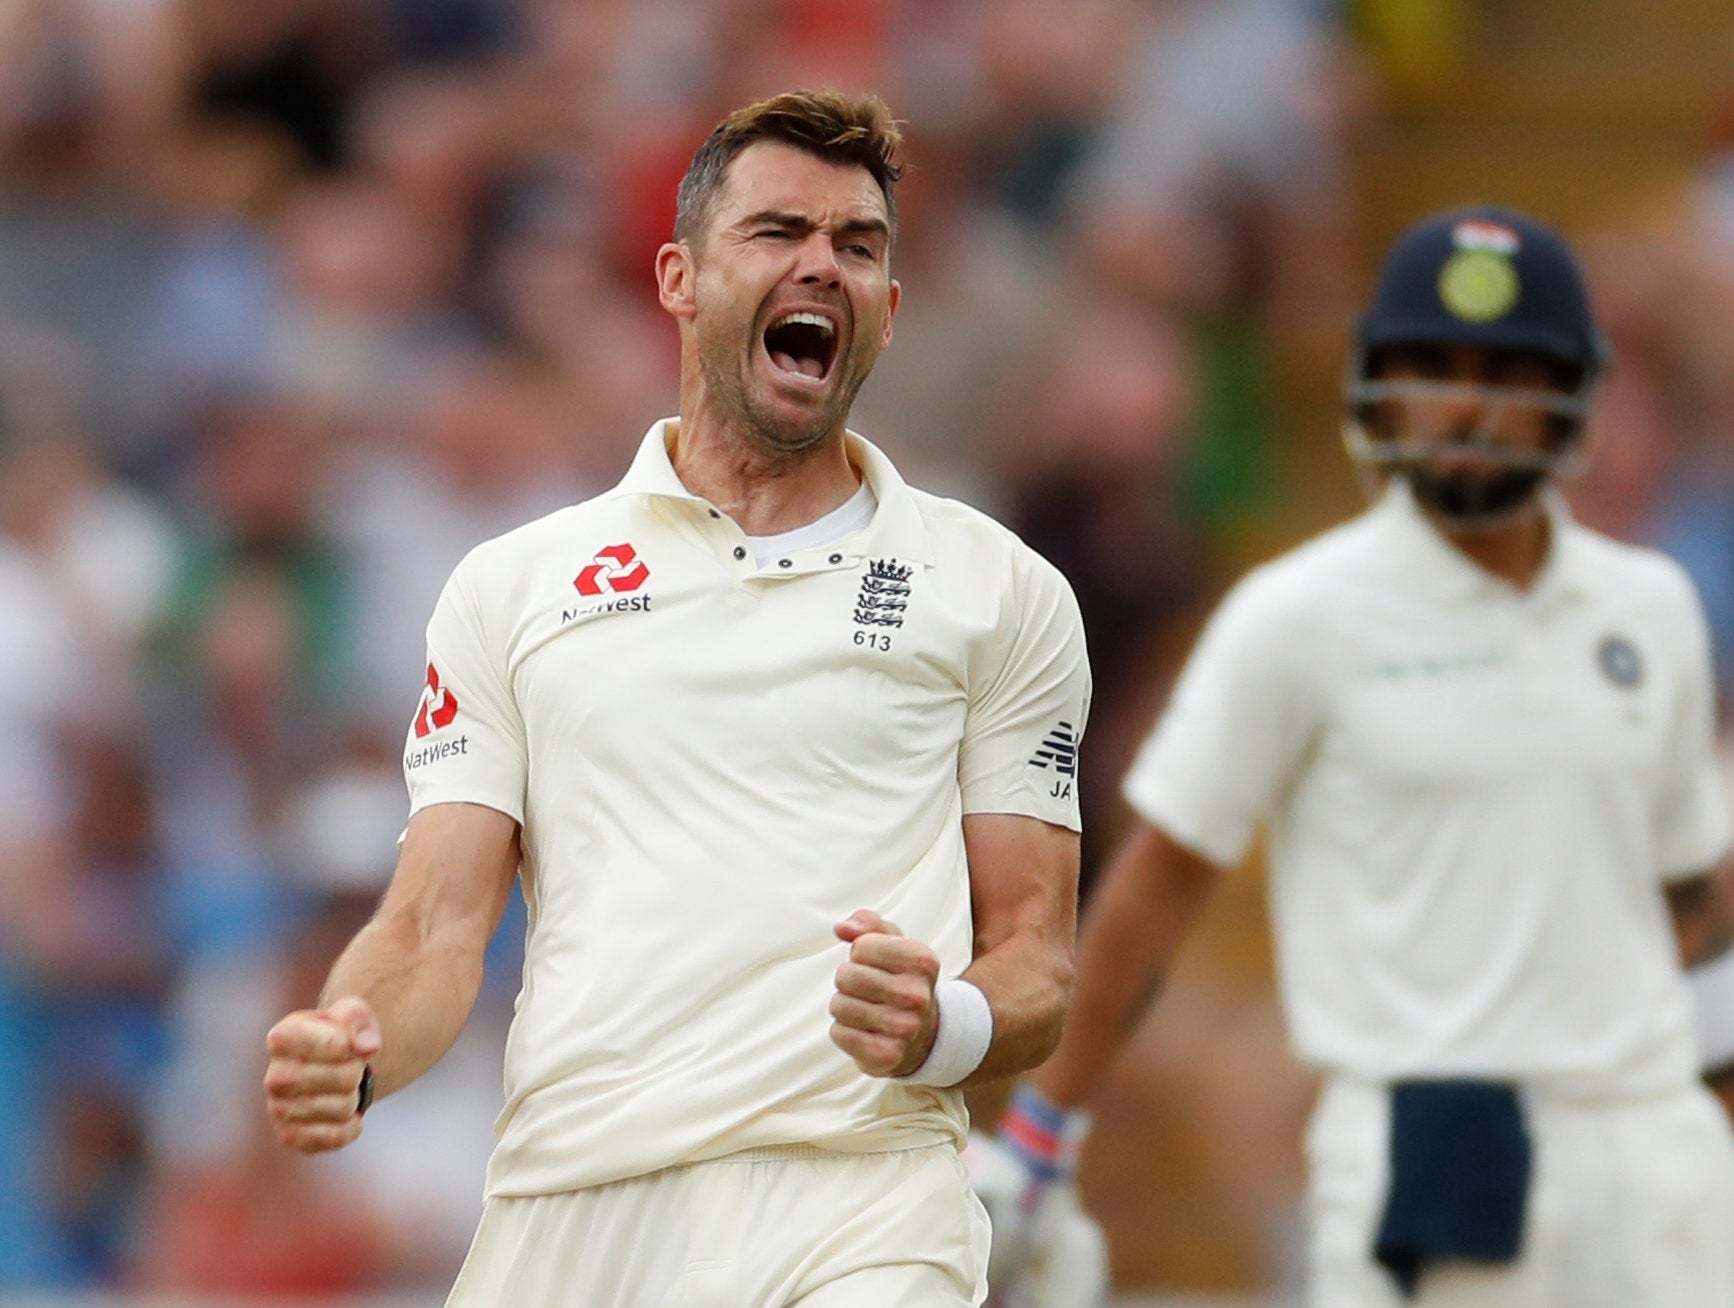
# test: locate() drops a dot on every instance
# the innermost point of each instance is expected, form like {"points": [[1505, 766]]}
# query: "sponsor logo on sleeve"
{"points": [[1059, 752], [439, 707], [438, 710], [611, 580]]}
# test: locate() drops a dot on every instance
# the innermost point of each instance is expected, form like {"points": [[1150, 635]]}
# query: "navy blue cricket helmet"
{"points": [[1487, 277], [1484, 276]]}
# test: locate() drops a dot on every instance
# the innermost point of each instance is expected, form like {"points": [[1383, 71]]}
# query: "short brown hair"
{"points": [[838, 128]]}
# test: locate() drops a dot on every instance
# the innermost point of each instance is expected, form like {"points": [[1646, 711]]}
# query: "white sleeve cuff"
{"points": [[1713, 998], [965, 1032]]}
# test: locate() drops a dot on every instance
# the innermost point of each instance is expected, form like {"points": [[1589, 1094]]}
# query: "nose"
{"points": [[817, 265], [1460, 415]]}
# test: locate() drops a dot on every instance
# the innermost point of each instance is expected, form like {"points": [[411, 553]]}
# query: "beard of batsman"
{"points": [[1471, 499]]}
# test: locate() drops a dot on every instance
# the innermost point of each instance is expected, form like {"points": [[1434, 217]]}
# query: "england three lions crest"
{"points": [[884, 593]]}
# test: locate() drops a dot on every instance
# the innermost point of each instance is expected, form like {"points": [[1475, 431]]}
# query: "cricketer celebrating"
{"points": [[783, 753]]}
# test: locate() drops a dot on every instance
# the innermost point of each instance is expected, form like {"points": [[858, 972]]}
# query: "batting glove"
{"points": [[1047, 1252]]}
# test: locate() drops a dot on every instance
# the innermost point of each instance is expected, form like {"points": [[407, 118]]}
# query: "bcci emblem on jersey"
{"points": [[1620, 662]]}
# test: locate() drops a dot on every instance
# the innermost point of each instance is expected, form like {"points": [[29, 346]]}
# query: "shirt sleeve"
{"points": [[1240, 719], [1029, 696], [1691, 813], [466, 742]]}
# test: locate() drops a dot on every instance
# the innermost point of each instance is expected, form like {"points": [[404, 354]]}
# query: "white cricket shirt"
{"points": [[714, 763], [1472, 795]]}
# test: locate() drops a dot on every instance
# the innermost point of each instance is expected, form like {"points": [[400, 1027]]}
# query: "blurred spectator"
{"points": [[251, 509], [84, 570], [435, 142], [292, 66], [1231, 209], [1665, 286], [1052, 71], [1096, 433], [549, 289], [452, 31], [104, 1002], [1208, 201], [39, 664], [972, 277], [257, 1222], [487, 442], [368, 280]]}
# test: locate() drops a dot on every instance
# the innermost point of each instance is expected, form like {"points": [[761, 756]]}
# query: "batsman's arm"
{"points": [[403, 987], [1702, 910], [1700, 907], [1149, 897]]}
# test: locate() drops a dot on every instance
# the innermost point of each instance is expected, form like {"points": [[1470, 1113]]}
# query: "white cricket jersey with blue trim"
{"points": [[1472, 794]]}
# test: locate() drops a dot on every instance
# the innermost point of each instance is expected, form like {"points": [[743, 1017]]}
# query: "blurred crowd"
{"points": [[300, 299]]}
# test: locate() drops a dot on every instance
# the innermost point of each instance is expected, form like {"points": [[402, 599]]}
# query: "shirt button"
{"points": [[836, 558], [715, 514], [785, 563], [740, 551]]}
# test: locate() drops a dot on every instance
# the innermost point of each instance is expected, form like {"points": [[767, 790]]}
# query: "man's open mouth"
{"points": [[802, 343]]}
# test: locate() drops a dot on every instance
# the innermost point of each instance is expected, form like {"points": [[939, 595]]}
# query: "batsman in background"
{"points": [[783, 752], [1480, 739]]}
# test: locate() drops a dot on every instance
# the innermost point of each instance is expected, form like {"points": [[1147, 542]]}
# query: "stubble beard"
{"points": [[773, 434]]}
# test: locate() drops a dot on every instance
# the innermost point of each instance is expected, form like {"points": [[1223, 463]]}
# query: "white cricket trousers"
{"points": [[768, 1228], [1631, 1205]]}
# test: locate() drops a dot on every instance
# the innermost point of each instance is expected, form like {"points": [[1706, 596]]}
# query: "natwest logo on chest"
{"points": [[610, 578], [615, 570]]}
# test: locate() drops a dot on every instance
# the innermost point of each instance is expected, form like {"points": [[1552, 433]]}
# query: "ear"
{"points": [[891, 312], [676, 275]]}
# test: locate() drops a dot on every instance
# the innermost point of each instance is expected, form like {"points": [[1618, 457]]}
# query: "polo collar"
{"points": [[896, 531], [652, 471], [1427, 560]]}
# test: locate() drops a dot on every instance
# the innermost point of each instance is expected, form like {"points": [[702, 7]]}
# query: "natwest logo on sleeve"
{"points": [[615, 570], [439, 707]]}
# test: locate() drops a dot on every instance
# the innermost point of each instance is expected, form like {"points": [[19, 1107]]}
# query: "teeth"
{"points": [[805, 319]]}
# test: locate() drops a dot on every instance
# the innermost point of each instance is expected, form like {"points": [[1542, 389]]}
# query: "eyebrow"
{"points": [[801, 222]]}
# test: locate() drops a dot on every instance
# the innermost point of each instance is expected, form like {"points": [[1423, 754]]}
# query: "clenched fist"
{"points": [[313, 1083], [885, 1013]]}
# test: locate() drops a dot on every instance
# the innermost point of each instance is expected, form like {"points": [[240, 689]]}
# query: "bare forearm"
{"points": [[1721, 1083], [1028, 983], [1151, 895], [399, 993], [1024, 888], [421, 990], [1702, 909]]}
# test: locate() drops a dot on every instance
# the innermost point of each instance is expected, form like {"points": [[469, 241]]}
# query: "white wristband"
{"points": [[1713, 998], [965, 1032]]}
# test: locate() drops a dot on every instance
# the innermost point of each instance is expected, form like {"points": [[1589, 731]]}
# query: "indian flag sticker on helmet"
{"points": [[1484, 234], [1478, 285]]}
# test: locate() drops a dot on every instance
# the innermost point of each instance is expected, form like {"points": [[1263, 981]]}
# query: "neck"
{"points": [[1513, 551], [765, 492]]}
